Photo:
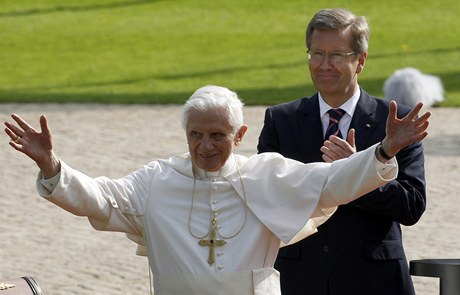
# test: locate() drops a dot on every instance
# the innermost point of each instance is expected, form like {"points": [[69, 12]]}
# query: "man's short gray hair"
{"points": [[212, 97], [338, 19]]}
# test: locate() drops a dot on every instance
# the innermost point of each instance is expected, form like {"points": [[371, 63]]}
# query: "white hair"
{"points": [[212, 97], [409, 86]]}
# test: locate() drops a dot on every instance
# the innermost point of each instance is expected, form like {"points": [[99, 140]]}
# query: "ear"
{"points": [[361, 61], [240, 134]]}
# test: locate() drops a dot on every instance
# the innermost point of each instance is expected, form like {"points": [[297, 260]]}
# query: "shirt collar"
{"points": [[349, 106], [228, 167]]}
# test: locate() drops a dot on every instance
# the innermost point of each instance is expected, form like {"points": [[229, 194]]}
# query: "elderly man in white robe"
{"points": [[212, 221]]}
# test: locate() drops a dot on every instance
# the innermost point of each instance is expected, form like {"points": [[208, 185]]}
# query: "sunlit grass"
{"points": [[161, 51]]}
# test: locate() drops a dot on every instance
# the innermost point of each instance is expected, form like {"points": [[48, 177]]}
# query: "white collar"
{"points": [[349, 106], [228, 168]]}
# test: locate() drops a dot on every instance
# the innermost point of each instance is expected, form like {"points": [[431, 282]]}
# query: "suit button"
{"points": [[325, 248]]}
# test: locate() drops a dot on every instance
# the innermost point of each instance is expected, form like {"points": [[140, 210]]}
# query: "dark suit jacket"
{"points": [[359, 249]]}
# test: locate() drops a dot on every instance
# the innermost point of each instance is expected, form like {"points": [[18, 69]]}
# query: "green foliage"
{"points": [[141, 51]]}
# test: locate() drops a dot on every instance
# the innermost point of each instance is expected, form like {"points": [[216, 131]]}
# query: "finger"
{"points": [[333, 139], [414, 112], [393, 108], [331, 145], [422, 128], [422, 136], [340, 147], [14, 130], [13, 136], [419, 127], [419, 133], [419, 137], [327, 159], [326, 150], [334, 151], [22, 123], [351, 137], [15, 140], [44, 125], [15, 146], [424, 118]]}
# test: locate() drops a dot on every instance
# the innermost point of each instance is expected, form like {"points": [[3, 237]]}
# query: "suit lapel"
{"points": [[309, 126], [364, 120]]}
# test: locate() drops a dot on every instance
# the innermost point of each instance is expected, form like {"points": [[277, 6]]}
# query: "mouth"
{"points": [[326, 76], [207, 156]]}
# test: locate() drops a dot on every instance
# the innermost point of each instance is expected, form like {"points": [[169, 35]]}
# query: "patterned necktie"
{"points": [[334, 117]]}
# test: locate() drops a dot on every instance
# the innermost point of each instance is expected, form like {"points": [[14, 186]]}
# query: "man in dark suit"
{"points": [[359, 251]]}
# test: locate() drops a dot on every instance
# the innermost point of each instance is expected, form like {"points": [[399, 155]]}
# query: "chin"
{"points": [[210, 168]]}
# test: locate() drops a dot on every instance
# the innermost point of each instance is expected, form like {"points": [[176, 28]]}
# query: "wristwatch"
{"points": [[383, 153]]}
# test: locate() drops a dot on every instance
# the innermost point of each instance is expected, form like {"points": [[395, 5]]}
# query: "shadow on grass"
{"points": [[413, 52], [254, 96], [107, 91], [64, 8], [203, 75]]}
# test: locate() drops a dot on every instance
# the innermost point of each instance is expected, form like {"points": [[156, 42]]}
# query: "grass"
{"points": [[120, 51]]}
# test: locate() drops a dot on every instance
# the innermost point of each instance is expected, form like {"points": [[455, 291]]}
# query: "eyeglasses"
{"points": [[334, 57]]}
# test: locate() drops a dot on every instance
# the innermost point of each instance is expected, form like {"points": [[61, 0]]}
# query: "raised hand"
{"points": [[36, 145], [406, 131]]}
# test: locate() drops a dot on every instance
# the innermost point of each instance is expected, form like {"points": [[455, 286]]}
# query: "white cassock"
{"points": [[160, 207]]}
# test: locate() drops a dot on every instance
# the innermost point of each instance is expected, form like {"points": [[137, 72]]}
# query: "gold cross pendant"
{"points": [[212, 243]]}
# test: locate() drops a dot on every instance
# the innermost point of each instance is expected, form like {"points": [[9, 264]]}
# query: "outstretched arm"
{"points": [[36, 145]]}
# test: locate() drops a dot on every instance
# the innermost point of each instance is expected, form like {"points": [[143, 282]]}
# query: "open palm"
{"points": [[403, 132], [24, 138]]}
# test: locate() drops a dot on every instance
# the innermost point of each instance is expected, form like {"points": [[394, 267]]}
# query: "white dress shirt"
{"points": [[349, 107]]}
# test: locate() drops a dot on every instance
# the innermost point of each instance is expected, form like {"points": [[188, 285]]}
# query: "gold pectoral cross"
{"points": [[212, 243]]}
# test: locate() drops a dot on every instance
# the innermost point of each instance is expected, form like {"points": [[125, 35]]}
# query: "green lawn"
{"points": [[122, 51]]}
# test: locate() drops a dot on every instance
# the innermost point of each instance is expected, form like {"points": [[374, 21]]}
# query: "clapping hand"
{"points": [[399, 134], [336, 148]]}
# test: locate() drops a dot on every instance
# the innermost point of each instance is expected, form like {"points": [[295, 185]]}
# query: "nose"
{"points": [[326, 62], [207, 144]]}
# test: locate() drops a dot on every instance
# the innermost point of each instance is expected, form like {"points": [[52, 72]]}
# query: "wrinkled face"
{"points": [[210, 138], [335, 80]]}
